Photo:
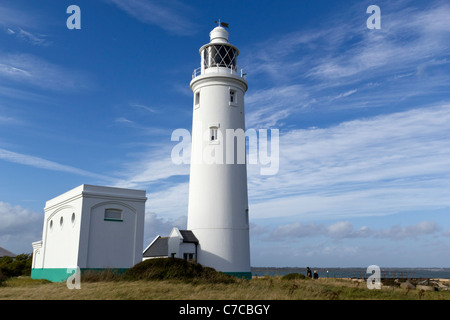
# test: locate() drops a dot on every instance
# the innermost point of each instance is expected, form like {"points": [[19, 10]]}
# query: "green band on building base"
{"points": [[61, 274]]}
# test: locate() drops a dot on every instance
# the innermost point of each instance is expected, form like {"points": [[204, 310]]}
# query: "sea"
{"points": [[358, 273]]}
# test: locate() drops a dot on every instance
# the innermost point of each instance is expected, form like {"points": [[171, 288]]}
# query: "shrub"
{"points": [[174, 268], [2, 278], [18, 266], [292, 276]]}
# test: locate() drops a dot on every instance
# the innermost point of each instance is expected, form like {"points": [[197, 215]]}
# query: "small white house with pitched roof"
{"points": [[181, 244]]}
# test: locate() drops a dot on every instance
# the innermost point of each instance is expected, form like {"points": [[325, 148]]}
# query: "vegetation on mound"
{"points": [[173, 268], [163, 269], [14, 267], [293, 276]]}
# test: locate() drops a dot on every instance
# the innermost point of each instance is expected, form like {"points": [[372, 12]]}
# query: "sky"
{"points": [[363, 119]]}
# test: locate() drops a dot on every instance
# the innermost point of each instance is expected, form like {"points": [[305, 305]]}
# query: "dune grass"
{"points": [[268, 288], [175, 279]]}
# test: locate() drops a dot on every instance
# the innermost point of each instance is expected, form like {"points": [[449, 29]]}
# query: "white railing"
{"points": [[198, 72]]}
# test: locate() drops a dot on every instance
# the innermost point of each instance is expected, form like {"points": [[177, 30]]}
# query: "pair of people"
{"points": [[308, 273]]}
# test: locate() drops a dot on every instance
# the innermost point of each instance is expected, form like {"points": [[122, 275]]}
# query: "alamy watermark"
{"points": [[216, 146], [374, 280], [74, 280], [374, 21], [74, 20]]}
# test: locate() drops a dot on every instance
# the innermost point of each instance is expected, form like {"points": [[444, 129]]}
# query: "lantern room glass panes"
{"points": [[220, 56]]}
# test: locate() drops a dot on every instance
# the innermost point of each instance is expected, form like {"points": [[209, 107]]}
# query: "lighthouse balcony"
{"points": [[218, 69]]}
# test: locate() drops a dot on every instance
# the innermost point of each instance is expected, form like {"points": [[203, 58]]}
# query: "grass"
{"points": [[174, 279], [268, 288]]}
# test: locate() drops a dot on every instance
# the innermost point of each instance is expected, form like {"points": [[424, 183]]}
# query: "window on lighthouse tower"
{"points": [[213, 133], [197, 98], [232, 96]]}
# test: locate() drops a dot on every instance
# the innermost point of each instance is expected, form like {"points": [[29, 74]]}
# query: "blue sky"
{"points": [[362, 114]]}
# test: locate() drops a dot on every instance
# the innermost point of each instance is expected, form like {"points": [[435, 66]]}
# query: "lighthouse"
{"points": [[218, 199]]}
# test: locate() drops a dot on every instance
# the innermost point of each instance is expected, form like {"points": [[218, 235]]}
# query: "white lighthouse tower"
{"points": [[218, 200]]}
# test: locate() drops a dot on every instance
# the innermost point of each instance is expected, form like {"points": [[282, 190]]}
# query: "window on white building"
{"points": [[188, 256], [113, 215]]}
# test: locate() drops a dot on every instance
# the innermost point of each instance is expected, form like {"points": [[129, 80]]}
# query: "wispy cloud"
{"points": [[345, 230], [41, 163], [23, 25], [29, 69], [143, 129], [25, 95], [27, 36], [11, 18], [408, 36], [267, 108], [169, 15], [143, 107], [6, 120], [150, 166], [34, 39], [124, 120], [374, 166], [344, 65], [345, 94]]}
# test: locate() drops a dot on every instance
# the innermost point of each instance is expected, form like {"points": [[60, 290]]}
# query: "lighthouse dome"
{"points": [[218, 35]]}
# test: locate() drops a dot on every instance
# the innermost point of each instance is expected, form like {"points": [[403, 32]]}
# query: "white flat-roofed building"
{"points": [[92, 228]]}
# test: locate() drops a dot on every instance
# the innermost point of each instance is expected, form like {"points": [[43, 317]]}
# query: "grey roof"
{"points": [[159, 248], [188, 236], [6, 253]]}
